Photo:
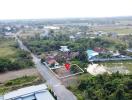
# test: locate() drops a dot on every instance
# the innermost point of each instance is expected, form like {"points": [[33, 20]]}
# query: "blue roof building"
{"points": [[91, 53]]}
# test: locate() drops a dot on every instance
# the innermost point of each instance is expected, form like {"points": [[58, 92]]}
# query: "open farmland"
{"points": [[118, 29], [7, 48]]}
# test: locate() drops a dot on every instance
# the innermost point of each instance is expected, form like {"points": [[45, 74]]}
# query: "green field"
{"points": [[19, 83], [119, 30], [7, 48]]}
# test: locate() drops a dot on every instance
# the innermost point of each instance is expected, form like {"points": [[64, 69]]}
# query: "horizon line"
{"points": [[12, 19]]}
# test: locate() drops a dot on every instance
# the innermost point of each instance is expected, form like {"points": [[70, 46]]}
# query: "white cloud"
{"points": [[16, 9]]}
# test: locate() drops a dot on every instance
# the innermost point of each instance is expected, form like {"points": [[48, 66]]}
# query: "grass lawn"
{"points": [[7, 52], [19, 83], [7, 49]]}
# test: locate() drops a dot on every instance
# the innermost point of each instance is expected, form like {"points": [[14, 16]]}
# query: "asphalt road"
{"points": [[60, 91]]}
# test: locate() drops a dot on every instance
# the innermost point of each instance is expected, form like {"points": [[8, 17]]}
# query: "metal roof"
{"points": [[38, 92]]}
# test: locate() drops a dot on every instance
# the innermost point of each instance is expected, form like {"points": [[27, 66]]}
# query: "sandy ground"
{"points": [[15, 74], [96, 69]]}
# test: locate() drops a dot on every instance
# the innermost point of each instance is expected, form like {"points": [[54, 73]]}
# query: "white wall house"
{"points": [[64, 49]]}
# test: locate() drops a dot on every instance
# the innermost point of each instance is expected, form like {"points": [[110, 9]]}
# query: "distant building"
{"points": [[8, 28], [9, 34], [38, 92], [116, 54], [129, 50], [113, 34], [78, 35], [99, 33], [45, 34], [64, 49], [52, 27], [72, 38]]}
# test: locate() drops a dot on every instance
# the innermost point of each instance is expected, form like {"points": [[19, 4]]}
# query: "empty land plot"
{"points": [[16, 74], [20, 82], [63, 72], [121, 66]]}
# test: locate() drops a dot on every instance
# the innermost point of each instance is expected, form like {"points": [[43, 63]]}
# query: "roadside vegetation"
{"points": [[103, 87], [19, 83], [12, 58]]}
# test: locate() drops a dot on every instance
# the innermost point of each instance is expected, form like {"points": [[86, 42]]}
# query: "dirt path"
{"points": [[15, 74]]}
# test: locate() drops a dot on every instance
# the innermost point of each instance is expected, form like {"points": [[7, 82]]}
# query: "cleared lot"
{"points": [[16, 74]]}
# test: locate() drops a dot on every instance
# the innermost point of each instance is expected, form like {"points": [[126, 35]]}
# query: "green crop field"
{"points": [[7, 48]]}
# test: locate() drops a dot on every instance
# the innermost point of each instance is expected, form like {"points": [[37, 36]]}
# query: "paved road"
{"points": [[60, 91]]}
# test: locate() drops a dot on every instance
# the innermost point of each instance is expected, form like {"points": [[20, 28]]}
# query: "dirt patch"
{"points": [[16, 74], [69, 81], [96, 69], [120, 69], [61, 72]]}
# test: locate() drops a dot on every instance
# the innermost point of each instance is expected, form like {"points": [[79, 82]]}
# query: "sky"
{"points": [[36, 9]]}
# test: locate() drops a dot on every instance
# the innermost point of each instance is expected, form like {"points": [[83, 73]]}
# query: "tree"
{"points": [[5, 64], [119, 95], [82, 56], [73, 69]]}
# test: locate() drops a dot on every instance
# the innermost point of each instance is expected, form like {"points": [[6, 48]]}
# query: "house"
{"points": [[38, 92], [51, 60], [99, 33], [44, 34], [113, 34], [100, 50], [64, 49], [78, 35], [129, 50], [8, 28], [116, 54], [72, 38], [91, 54], [53, 63], [9, 34]]}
